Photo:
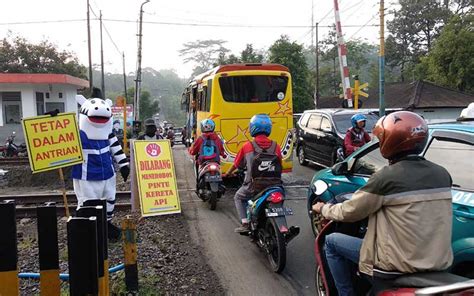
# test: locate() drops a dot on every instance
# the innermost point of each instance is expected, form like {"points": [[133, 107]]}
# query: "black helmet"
{"points": [[150, 121]]}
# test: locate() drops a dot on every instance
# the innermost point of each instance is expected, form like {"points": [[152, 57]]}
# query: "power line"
{"points": [[42, 22], [366, 24], [229, 25], [325, 16]]}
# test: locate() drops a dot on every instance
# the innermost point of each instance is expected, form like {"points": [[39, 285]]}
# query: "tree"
{"points": [[413, 29], [248, 55], [17, 55], [291, 55], [204, 53], [148, 106], [450, 62]]}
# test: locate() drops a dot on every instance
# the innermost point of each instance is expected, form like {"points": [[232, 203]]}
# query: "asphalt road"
{"points": [[241, 266]]}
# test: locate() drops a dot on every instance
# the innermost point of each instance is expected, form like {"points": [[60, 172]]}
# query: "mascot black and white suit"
{"points": [[95, 177]]}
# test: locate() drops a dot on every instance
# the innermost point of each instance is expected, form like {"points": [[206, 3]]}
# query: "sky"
{"points": [[167, 25]]}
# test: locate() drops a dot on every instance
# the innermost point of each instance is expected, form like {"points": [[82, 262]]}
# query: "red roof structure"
{"points": [[40, 78]]}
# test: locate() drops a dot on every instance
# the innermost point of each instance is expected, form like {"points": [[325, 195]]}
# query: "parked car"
{"points": [[320, 134], [178, 135], [450, 145]]}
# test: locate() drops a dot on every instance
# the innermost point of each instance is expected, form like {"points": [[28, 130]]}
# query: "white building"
{"points": [[27, 95]]}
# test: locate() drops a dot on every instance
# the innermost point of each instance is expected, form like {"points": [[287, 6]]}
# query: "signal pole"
{"points": [[382, 61], [102, 58], [316, 90], [138, 80], [91, 83]]}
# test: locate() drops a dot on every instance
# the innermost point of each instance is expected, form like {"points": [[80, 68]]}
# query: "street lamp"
{"points": [[138, 80]]}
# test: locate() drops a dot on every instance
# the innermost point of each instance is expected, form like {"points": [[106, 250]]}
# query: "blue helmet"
{"points": [[207, 125], [260, 124], [356, 118]]}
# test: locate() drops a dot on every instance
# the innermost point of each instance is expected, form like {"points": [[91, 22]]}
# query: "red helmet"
{"points": [[401, 132]]}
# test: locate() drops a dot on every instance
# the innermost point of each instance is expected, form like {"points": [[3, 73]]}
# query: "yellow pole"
{"points": [[129, 238], [356, 94], [63, 185]]}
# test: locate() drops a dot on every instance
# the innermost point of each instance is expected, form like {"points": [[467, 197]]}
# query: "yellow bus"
{"points": [[231, 94]]}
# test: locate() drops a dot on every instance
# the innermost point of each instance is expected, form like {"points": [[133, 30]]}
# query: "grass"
{"points": [[147, 285]]}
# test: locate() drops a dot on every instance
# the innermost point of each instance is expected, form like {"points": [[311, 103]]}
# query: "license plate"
{"points": [[211, 178], [276, 212]]}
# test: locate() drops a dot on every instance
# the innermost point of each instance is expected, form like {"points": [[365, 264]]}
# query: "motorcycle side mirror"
{"points": [[339, 169], [320, 187]]}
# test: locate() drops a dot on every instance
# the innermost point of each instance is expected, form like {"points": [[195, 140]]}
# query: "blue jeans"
{"points": [[342, 251]]}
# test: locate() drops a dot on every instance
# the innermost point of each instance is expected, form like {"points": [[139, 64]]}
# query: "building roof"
{"points": [[408, 95], [40, 78]]}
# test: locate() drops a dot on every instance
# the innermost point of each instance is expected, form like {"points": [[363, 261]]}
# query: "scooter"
{"points": [[268, 226], [395, 284], [210, 187], [11, 149]]}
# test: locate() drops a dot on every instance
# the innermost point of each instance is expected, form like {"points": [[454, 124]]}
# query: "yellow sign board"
{"points": [[157, 186], [53, 141]]}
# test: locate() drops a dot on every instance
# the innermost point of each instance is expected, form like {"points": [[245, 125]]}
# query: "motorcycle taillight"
{"points": [[275, 197], [213, 167]]}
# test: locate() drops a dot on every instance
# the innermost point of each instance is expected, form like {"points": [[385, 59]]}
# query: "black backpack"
{"points": [[265, 168]]}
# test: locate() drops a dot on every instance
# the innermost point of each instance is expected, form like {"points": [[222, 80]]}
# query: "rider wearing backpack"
{"points": [[208, 147], [262, 160]]}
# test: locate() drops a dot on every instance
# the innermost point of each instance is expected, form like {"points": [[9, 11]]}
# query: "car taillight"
{"points": [[275, 197]]}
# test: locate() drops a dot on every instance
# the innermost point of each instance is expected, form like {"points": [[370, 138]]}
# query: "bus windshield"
{"points": [[253, 88]]}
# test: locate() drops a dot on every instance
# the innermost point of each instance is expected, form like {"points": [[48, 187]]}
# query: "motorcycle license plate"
{"points": [[212, 178], [276, 212]]}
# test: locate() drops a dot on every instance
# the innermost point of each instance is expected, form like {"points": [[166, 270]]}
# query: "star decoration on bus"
{"points": [[283, 108], [240, 136]]}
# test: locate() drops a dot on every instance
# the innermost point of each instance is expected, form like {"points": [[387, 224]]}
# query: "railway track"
{"points": [[26, 204], [14, 161]]}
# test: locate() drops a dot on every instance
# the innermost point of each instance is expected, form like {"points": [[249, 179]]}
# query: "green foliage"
{"points": [[203, 53], [17, 55], [291, 54], [450, 62], [148, 106], [247, 56]]}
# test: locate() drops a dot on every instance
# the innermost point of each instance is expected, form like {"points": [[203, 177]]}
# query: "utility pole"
{"points": [[382, 61], [312, 22], [138, 80], [102, 58], [91, 83], [124, 77], [316, 87]]}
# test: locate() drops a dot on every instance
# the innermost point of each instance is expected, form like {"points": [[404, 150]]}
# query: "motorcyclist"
{"points": [[150, 130], [356, 136], [260, 130], [408, 205], [207, 129]]}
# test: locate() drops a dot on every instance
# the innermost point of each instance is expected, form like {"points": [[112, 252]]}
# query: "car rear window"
{"points": [[253, 88], [343, 122]]}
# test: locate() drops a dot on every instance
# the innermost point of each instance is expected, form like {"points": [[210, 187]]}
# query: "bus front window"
{"points": [[253, 89]]}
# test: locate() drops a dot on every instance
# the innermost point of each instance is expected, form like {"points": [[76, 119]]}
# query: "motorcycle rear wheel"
{"points": [[276, 246], [320, 288], [213, 200]]}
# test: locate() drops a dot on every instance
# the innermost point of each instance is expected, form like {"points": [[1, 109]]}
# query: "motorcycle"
{"points": [[170, 136], [395, 284], [210, 186], [268, 227], [13, 150]]}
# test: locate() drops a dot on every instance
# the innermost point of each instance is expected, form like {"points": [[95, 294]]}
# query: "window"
{"points": [[60, 95], [457, 158], [343, 122], [208, 95], [39, 103], [370, 162], [12, 107], [326, 124], [47, 95], [253, 89], [202, 99], [54, 106], [304, 119], [314, 121]]}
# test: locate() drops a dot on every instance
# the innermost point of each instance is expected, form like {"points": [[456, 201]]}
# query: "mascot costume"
{"points": [[95, 177]]}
